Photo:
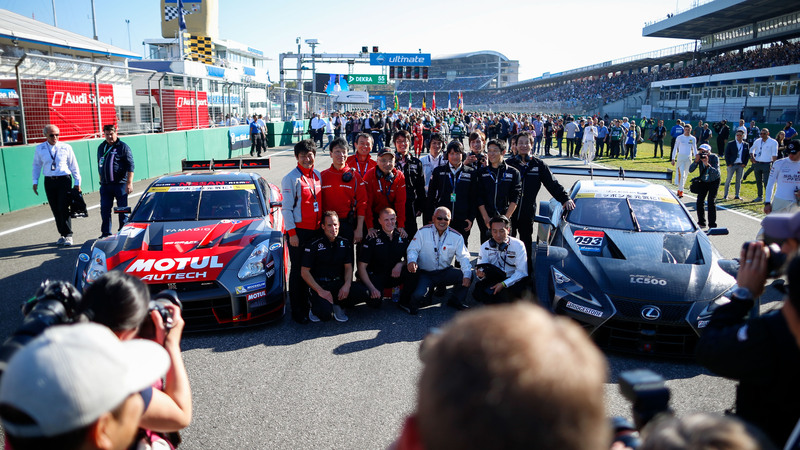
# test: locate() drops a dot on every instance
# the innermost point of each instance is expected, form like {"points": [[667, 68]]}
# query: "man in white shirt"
{"points": [[784, 179], [570, 129], [433, 159], [502, 266], [61, 172], [682, 156], [317, 125], [589, 136], [430, 257], [763, 153]]}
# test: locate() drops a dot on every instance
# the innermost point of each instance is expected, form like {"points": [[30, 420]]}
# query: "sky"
{"points": [[544, 36]]}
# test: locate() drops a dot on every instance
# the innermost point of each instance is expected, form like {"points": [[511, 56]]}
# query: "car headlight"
{"points": [[97, 266], [573, 288], [255, 263]]}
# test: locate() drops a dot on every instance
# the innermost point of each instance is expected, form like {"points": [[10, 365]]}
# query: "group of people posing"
{"points": [[375, 205]]}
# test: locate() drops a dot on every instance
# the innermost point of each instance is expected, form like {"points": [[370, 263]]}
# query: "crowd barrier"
{"points": [[154, 155]]}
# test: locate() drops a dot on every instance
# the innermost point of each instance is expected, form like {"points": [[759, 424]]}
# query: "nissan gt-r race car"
{"points": [[631, 266], [213, 237]]}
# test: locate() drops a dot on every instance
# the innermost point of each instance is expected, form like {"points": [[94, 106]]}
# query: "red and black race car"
{"points": [[213, 237]]}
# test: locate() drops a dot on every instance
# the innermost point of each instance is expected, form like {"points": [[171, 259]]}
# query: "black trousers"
{"points": [[658, 143], [108, 193], [598, 147], [298, 289], [614, 148], [524, 227], [360, 293], [516, 291], [709, 190], [56, 190], [256, 144]]}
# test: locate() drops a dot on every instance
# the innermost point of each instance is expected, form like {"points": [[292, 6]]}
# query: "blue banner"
{"points": [[400, 59], [239, 137]]}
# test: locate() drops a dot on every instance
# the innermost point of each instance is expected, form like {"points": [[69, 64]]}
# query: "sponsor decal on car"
{"points": [[195, 186], [646, 279], [256, 295], [274, 246], [589, 240], [83, 257], [584, 309], [250, 287], [168, 264]]}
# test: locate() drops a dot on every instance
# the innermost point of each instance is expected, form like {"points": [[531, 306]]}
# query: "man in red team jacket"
{"points": [[386, 188], [361, 160], [344, 191], [302, 211]]}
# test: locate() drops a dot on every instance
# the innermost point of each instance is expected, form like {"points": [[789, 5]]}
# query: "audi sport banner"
{"points": [[70, 105], [182, 110]]}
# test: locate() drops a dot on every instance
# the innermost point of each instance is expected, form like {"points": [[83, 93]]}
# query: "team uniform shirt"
{"points": [[434, 252], [512, 259], [302, 200], [533, 175], [343, 197], [114, 162], [676, 131], [381, 254], [685, 147], [454, 189], [415, 182], [362, 166], [383, 193], [615, 133], [590, 133], [763, 151], [785, 176], [498, 188], [429, 163], [326, 259], [57, 160]]}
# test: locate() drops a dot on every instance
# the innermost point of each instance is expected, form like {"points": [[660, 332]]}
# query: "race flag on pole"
{"points": [[433, 103], [460, 102], [396, 102], [181, 22], [424, 106], [409, 101], [449, 107]]}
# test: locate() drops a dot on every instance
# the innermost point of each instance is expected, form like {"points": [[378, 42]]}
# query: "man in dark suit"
{"points": [[737, 153], [723, 133]]}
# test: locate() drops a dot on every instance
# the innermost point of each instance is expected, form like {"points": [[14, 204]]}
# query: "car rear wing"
{"points": [[225, 164], [618, 173]]}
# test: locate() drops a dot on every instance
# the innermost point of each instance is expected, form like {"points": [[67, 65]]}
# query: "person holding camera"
{"points": [[344, 191], [707, 184], [760, 352], [502, 270], [784, 180], [78, 387], [122, 303]]}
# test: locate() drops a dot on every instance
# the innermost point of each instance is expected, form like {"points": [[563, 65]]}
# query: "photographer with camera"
{"points": [[78, 387], [760, 352], [707, 184], [122, 303]]}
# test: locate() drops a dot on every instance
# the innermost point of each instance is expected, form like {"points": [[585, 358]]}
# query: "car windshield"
{"points": [[193, 201], [633, 213]]}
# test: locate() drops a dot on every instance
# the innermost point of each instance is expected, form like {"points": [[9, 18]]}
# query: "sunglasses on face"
{"points": [[445, 219], [53, 135]]}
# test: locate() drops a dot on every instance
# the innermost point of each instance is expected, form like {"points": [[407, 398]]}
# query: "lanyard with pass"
{"points": [[312, 188], [52, 156]]}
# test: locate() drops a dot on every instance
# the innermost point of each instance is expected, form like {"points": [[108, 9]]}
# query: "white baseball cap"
{"points": [[70, 375]]}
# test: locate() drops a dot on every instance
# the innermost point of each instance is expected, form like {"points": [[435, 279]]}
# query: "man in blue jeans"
{"points": [[115, 164]]}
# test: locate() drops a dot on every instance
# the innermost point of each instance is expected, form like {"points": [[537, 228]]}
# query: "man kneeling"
{"points": [[502, 266]]}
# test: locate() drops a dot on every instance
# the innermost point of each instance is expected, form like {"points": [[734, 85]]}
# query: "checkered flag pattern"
{"points": [[171, 13], [202, 49]]}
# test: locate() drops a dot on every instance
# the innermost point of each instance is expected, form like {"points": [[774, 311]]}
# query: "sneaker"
{"points": [[312, 317], [680, 194], [408, 308], [61, 241], [453, 303], [737, 198], [725, 197], [758, 199], [338, 314], [67, 241]]}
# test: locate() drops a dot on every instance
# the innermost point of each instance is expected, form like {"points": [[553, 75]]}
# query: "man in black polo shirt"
{"points": [[499, 187], [381, 262], [115, 164], [328, 271], [454, 185]]}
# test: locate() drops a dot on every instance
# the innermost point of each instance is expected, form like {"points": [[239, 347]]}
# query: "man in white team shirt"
{"points": [[682, 156], [784, 178], [763, 153], [589, 136]]}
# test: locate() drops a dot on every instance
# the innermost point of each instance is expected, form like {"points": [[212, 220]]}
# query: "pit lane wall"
{"points": [[154, 154]]}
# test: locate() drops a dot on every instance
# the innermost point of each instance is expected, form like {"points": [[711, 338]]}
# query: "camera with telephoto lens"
{"points": [[776, 259], [649, 397], [55, 303], [159, 303]]}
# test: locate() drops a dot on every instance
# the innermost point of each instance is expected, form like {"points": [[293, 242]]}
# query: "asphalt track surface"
{"points": [[325, 385]]}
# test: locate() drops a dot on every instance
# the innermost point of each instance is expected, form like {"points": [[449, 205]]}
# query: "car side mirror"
{"points": [[543, 219], [717, 232], [122, 210]]}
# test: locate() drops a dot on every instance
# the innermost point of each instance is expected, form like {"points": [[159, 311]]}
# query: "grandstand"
{"points": [[738, 66]]}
